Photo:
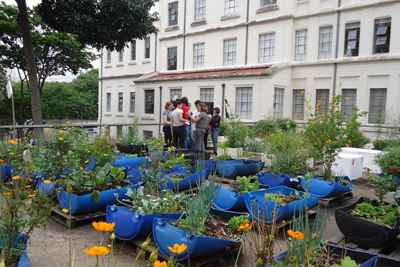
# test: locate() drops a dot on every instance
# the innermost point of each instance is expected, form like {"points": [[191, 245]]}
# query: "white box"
{"points": [[369, 157], [349, 165]]}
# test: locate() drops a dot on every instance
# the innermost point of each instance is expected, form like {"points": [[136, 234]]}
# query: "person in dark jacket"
{"points": [[215, 121]]}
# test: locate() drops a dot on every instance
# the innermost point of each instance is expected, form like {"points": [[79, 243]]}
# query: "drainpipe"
{"points": [[247, 33], [336, 49], [155, 53], [184, 35], [101, 87], [159, 127], [223, 101]]}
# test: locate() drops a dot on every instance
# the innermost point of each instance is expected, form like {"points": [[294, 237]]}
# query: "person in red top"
{"points": [[186, 112]]}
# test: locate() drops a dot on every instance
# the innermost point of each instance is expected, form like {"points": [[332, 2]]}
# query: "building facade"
{"points": [[259, 55]]}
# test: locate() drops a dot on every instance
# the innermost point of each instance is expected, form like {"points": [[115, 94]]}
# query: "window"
{"points": [[266, 50], [119, 130], [121, 56], [382, 35], [325, 42], [207, 97], [230, 52], [200, 9], [108, 102], [301, 45], [377, 106], [267, 2], [120, 102], [149, 101], [349, 97], [172, 54], [231, 6], [133, 50], [198, 55], [323, 101], [278, 102], [147, 47], [352, 39], [175, 94], [132, 103], [244, 100], [108, 56], [147, 135], [298, 104], [173, 14]]}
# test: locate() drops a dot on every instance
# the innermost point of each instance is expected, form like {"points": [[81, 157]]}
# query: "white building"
{"points": [[265, 52]]}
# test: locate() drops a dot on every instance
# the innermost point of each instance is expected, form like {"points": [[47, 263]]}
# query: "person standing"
{"points": [[201, 124], [185, 108], [215, 122], [167, 123], [189, 129], [177, 128], [208, 130]]}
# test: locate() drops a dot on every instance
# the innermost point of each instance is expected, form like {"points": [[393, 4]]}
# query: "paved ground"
{"points": [[52, 242]]}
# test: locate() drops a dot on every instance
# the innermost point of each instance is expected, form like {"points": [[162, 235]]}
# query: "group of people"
{"points": [[180, 124]]}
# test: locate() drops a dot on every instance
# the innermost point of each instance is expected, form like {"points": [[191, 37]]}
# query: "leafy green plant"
{"points": [[346, 262], [379, 143], [389, 161], [264, 127], [286, 124], [243, 185], [382, 185], [277, 198], [236, 221], [223, 157], [236, 132], [382, 214], [131, 137]]}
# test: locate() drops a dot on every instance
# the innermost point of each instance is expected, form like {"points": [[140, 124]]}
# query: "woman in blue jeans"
{"points": [[215, 121], [201, 125]]}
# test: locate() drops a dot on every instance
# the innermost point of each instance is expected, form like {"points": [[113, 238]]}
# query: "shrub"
{"points": [[389, 161], [379, 143], [286, 124]]}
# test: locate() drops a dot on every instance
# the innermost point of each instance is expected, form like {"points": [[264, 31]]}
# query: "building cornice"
{"points": [[119, 76]]}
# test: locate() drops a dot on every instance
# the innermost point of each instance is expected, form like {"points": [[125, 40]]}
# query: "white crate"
{"points": [[369, 157], [348, 164]]}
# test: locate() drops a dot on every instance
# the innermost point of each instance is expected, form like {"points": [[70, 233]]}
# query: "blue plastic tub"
{"points": [[325, 188], [262, 209], [24, 261], [228, 200], [129, 224], [85, 204], [2, 173], [238, 167], [190, 181], [165, 235], [9, 169], [208, 164], [131, 162], [134, 175], [273, 179]]}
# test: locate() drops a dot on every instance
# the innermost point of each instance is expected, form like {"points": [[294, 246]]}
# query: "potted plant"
{"points": [[236, 134], [130, 142], [389, 160], [379, 144]]}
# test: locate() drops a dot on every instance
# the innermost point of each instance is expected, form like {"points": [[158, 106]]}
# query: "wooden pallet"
{"points": [[331, 201], [63, 218], [136, 244], [391, 250]]}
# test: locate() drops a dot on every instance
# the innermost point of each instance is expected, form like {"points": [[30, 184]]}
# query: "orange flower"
{"points": [[31, 195], [103, 226], [160, 264], [2, 160], [330, 141], [347, 145], [302, 92], [297, 234], [349, 142], [246, 227], [97, 251], [7, 193], [16, 177], [347, 98], [178, 249], [332, 105]]}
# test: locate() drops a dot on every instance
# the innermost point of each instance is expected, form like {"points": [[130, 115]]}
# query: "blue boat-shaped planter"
{"points": [[208, 164], [131, 162], [261, 208], [157, 155], [324, 188], [229, 200], [238, 167], [165, 234], [273, 179], [190, 181], [85, 204], [24, 260], [129, 224], [134, 175]]}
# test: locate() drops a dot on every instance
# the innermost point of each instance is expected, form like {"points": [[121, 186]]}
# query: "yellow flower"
{"points": [[120, 138], [178, 249], [65, 210], [28, 186], [297, 234], [349, 142], [12, 153], [61, 131], [46, 181], [31, 195], [68, 122], [183, 155], [340, 84], [160, 264], [61, 138], [2, 160], [50, 126], [334, 96], [10, 141], [8, 193], [73, 128], [347, 145], [86, 161], [297, 113], [103, 226], [47, 129], [105, 155], [302, 92], [297, 119], [298, 129], [323, 115], [330, 141], [49, 135], [246, 227], [97, 251], [347, 98], [16, 177]]}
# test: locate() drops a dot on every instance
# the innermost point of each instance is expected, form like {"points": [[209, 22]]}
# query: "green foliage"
{"points": [[277, 198], [105, 23], [236, 132], [346, 262], [264, 127], [131, 137], [286, 124], [389, 161], [243, 185], [223, 127], [382, 214], [383, 185], [223, 157], [379, 143], [354, 134], [236, 221]]}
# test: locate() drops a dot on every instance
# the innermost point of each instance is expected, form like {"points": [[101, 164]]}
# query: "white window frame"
{"points": [[133, 50], [230, 49], [120, 102], [120, 56], [325, 42], [108, 102], [352, 37], [231, 6], [198, 55], [301, 45], [279, 95], [147, 47], [207, 97], [172, 57], [173, 13], [377, 105], [175, 92], [298, 104], [244, 102], [266, 48], [200, 10], [382, 35]]}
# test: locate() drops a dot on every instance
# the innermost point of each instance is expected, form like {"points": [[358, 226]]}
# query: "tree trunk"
{"points": [[36, 105]]}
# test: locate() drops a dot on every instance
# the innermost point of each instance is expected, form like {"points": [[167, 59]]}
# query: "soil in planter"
{"points": [[282, 199], [362, 182], [385, 215], [176, 178]]}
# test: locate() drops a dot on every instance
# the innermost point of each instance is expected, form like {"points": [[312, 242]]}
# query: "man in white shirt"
{"points": [[195, 114]]}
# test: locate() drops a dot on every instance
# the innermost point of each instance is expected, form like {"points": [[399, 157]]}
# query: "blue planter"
{"points": [[24, 261], [2, 173], [261, 208], [327, 189], [384, 262], [130, 224], [238, 167], [134, 175], [190, 181], [273, 179], [397, 179], [85, 204], [208, 164], [228, 200], [131, 162], [9, 169], [157, 155], [165, 235]]}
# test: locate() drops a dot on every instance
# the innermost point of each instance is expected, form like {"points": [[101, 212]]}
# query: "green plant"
{"points": [[277, 198], [382, 214], [223, 157], [243, 185], [286, 124], [236, 221], [383, 185], [389, 161], [264, 127], [223, 127], [236, 132], [379, 143], [131, 137], [354, 134], [346, 262]]}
